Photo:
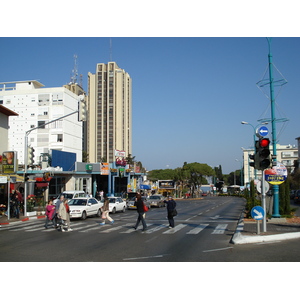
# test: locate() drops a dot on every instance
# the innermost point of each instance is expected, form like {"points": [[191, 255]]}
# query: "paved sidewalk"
{"points": [[5, 221]]}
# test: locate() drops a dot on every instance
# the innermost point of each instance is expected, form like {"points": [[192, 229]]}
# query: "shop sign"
{"points": [[277, 175], [9, 162]]}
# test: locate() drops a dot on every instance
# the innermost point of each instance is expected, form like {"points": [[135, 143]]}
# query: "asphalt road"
{"points": [[203, 232]]}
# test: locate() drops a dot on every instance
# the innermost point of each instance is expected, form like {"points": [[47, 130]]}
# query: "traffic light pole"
{"points": [[263, 200], [274, 135], [26, 155]]}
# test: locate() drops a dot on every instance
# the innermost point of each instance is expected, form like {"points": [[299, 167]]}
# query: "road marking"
{"points": [[220, 229], [220, 249], [175, 229], [197, 229], [132, 229], [156, 228], [114, 228], [145, 257]]}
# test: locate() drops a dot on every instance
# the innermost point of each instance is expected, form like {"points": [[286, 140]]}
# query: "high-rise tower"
{"points": [[109, 123]]}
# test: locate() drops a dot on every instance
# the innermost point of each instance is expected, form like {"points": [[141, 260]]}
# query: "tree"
{"points": [[195, 173]]}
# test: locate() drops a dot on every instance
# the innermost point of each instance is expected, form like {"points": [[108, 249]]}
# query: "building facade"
{"points": [[109, 106], [286, 154], [35, 106]]}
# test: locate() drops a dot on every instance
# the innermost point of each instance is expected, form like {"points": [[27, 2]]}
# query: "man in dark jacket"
{"points": [[171, 205], [140, 209]]}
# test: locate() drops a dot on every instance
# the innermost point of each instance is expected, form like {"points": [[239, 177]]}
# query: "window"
{"points": [[41, 124], [59, 138]]}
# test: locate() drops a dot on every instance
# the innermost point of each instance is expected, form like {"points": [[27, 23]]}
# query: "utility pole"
{"points": [[274, 135]]}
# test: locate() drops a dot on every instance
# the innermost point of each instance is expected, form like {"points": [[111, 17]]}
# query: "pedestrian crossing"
{"points": [[127, 228]]}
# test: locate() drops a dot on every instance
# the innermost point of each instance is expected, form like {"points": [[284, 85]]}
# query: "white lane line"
{"points": [[197, 229], [220, 249], [156, 228], [145, 257]]}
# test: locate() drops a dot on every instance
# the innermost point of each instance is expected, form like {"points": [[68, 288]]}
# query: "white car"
{"points": [[115, 204], [84, 207]]}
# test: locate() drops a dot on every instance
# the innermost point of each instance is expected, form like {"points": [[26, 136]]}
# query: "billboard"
{"points": [[63, 159], [9, 162]]}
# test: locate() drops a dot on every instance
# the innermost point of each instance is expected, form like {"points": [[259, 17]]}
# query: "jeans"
{"points": [[141, 218]]}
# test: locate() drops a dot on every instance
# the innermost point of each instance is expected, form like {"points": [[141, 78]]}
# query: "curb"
{"points": [[238, 238], [23, 220]]}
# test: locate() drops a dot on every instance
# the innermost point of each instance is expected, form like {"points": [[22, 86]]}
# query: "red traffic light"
{"points": [[264, 142]]}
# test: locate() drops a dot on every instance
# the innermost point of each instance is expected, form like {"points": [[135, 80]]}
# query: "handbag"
{"points": [[145, 208], [174, 212]]}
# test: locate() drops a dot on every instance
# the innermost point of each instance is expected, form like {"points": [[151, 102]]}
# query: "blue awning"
{"points": [[145, 187]]}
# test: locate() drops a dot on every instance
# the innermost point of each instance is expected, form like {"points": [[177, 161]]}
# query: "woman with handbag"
{"points": [[172, 212], [139, 203], [105, 213]]}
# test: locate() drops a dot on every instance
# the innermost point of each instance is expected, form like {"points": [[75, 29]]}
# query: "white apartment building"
{"points": [[35, 106], [286, 154], [109, 125]]}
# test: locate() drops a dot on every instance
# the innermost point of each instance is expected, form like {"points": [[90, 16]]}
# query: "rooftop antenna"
{"points": [[74, 71], [110, 49]]}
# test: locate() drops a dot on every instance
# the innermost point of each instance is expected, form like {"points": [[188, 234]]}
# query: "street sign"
{"points": [[262, 131], [277, 175], [3, 179], [259, 185], [257, 213]]}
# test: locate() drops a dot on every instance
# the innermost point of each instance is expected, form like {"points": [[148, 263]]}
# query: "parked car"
{"points": [[157, 200], [115, 204], [70, 195], [297, 197], [84, 207], [130, 203]]}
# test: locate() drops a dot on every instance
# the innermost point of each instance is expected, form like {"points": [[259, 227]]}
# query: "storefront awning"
{"points": [[41, 184]]}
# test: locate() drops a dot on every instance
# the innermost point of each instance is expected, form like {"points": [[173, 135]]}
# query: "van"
{"points": [[70, 195]]}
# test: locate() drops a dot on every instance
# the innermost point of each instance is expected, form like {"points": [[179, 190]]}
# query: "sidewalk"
{"points": [[4, 219]]}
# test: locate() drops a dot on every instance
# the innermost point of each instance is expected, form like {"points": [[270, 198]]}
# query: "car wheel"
{"points": [[83, 216], [123, 210], [114, 210], [99, 213]]}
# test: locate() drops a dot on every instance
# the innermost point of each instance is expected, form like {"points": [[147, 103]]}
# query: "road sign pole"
{"points": [[263, 199], [257, 227]]}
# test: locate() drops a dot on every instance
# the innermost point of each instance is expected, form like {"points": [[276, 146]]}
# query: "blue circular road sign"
{"points": [[257, 213], [263, 131]]}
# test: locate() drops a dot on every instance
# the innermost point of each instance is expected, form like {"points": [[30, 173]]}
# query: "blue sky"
{"points": [[190, 94]]}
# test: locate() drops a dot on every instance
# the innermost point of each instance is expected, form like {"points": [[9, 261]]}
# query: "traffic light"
{"points": [[252, 163], [82, 110], [262, 157], [30, 155]]}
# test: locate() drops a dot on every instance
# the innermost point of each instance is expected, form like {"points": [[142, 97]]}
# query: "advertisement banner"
{"points": [[9, 162], [277, 174], [105, 169]]}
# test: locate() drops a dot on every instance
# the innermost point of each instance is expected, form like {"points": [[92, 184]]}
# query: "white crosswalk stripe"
{"points": [[128, 228], [175, 229], [197, 229], [220, 229]]}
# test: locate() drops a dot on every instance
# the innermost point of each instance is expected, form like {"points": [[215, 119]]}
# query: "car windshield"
{"points": [[77, 202], [154, 197], [67, 196]]}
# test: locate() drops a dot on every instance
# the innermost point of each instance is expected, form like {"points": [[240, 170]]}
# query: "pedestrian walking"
{"points": [[105, 213], [140, 210], [64, 215], [171, 208], [50, 212], [57, 205]]}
